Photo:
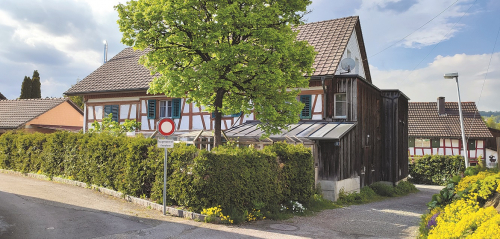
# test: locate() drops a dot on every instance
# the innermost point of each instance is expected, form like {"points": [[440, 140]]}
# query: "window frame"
{"points": [[422, 145], [168, 108], [335, 106]]}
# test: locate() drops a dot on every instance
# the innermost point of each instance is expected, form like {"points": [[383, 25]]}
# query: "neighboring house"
{"points": [[434, 128], [2, 97], [40, 115], [357, 132]]}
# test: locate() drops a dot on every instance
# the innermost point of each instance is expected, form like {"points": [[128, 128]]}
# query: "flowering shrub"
{"points": [[214, 212], [254, 215], [465, 217], [461, 219]]}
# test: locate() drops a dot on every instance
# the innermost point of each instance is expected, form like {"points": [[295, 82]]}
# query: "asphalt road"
{"points": [[32, 208]]}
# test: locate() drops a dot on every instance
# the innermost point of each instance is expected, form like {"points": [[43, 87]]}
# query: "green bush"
{"points": [[435, 169], [238, 179]]}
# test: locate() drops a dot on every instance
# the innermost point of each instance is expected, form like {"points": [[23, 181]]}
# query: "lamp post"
{"points": [[464, 142]]}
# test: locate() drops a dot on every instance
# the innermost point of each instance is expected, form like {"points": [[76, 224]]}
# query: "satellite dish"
{"points": [[347, 64]]}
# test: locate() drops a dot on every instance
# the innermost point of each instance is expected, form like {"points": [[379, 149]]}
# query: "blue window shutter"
{"points": [[236, 115], [306, 111], [213, 115], [112, 109], [176, 108], [151, 109]]}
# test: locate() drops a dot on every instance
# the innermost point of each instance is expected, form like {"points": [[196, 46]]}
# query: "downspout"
{"points": [[324, 96], [84, 116]]}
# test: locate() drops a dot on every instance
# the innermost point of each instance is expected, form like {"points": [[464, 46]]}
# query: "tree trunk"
{"points": [[218, 117]]}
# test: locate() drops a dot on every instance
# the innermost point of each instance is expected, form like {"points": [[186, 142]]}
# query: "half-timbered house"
{"points": [[434, 128], [357, 132]]}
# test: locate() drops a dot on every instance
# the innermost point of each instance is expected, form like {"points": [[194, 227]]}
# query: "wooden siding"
{"points": [[394, 165], [359, 152]]}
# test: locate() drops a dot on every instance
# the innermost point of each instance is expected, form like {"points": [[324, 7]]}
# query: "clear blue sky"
{"points": [[62, 39]]}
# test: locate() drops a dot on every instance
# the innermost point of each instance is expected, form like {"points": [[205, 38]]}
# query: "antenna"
{"points": [[347, 64], [105, 51]]}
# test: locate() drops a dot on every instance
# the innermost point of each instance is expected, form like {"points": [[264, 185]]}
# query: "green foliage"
{"points": [[30, 88], [246, 183], [78, 100], [112, 127], [445, 196], [374, 192], [229, 56], [36, 92], [26, 88], [435, 169]]}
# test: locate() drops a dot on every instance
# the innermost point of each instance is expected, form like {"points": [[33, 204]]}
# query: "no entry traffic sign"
{"points": [[166, 126]]}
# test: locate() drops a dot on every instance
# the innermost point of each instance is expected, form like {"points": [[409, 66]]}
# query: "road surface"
{"points": [[33, 208]]}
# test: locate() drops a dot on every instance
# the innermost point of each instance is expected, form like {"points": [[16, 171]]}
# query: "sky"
{"points": [[410, 44]]}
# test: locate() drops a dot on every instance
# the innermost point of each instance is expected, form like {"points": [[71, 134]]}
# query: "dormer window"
{"points": [[340, 105]]}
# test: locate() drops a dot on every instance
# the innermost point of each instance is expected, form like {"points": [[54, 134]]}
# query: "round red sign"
{"points": [[166, 126]]}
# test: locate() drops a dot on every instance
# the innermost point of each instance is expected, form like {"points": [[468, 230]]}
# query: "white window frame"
{"points": [[419, 143], [168, 108], [335, 106]]}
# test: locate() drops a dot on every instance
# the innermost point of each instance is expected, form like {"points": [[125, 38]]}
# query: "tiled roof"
{"points": [[2, 97], [329, 39], [14, 113], [123, 72], [424, 121]]}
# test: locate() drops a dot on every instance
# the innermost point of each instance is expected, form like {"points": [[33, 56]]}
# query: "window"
{"points": [[111, 109], [423, 143], [170, 108], [165, 109], [411, 142], [306, 111], [472, 144], [340, 105], [151, 109], [435, 143]]}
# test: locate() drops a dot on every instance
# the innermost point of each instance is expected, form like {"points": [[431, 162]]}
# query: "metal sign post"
{"points": [[166, 127]]}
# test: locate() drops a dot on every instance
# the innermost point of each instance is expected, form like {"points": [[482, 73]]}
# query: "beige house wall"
{"points": [[63, 114]]}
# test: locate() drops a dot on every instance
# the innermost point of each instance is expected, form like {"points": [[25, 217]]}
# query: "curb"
{"points": [[138, 201]]}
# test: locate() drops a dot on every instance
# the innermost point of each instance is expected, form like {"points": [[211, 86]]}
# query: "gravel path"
{"points": [[391, 218]]}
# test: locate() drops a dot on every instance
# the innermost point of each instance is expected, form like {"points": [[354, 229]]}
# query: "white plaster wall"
{"points": [[207, 121], [184, 123], [331, 189], [90, 112], [124, 111], [143, 106], [319, 104], [176, 121], [186, 107], [353, 47], [98, 112], [197, 124], [144, 123], [133, 111], [247, 117]]}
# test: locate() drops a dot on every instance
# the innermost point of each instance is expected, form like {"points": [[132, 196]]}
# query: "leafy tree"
{"points": [[230, 56], [36, 92], [491, 122], [77, 99], [26, 88]]}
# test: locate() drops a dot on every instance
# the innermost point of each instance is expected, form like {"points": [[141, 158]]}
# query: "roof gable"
{"points": [[329, 39], [15, 113], [425, 121]]}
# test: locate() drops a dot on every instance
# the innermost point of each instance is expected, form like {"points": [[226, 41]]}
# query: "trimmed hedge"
{"points": [[234, 178], [435, 169]]}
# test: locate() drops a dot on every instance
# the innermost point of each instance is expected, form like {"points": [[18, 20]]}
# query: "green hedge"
{"points": [[435, 169], [234, 178]]}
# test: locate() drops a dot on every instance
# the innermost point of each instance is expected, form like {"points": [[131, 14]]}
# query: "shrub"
{"points": [[246, 183], [435, 169]]}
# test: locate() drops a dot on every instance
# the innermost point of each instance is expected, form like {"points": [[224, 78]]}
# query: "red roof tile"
{"points": [[424, 121]]}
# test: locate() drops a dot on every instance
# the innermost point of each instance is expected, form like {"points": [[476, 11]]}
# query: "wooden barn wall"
{"points": [[359, 151], [403, 138]]}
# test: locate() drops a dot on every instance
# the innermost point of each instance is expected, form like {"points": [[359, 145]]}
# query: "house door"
{"points": [[328, 163]]}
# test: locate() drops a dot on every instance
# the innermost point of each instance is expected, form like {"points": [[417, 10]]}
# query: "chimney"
{"points": [[105, 51], [440, 106]]}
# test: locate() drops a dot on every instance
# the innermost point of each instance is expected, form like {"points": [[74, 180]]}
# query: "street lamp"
{"points": [[464, 142]]}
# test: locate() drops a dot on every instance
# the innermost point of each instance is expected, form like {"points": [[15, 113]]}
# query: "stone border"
{"points": [[138, 201]]}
